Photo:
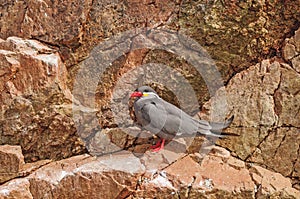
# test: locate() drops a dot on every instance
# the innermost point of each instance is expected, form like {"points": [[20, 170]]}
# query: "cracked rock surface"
{"points": [[265, 100], [123, 175], [33, 95], [58, 143], [33, 101]]}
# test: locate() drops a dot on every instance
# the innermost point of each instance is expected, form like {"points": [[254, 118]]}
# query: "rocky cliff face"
{"points": [[66, 71], [123, 175]]}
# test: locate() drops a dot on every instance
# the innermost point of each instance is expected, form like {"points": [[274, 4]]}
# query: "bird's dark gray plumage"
{"points": [[166, 120]]}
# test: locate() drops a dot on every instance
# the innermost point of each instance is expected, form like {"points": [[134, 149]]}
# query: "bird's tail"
{"points": [[216, 129], [216, 126]]}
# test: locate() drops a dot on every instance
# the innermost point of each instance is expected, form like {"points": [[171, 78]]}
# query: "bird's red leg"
{"points": [[158, 146]]}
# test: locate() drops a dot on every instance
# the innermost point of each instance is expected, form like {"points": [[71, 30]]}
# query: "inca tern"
{"points": [[167, 121]]}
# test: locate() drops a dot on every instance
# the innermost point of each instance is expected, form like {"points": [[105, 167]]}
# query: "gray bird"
{"points": [[167, 121]]}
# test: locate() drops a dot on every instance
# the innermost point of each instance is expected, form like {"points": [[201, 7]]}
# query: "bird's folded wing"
{"points": [[155, 116], [188, 126], [186, 119], [163, 116]]}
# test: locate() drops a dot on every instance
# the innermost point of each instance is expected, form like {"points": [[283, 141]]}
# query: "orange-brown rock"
{"points": [[123, 175], [44, 45], [217, 176], [291, 50], [272, 183], [11, 162], [233, 32], [265, 101], [17, 188], [79, 177], [33, 101]]}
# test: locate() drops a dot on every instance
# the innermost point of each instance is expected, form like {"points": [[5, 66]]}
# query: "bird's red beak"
{"points": [[136, 94]]}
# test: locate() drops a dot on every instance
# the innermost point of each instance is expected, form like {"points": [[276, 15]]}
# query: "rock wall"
{"points": [[123, 175], [46, 45], [33, 96]]}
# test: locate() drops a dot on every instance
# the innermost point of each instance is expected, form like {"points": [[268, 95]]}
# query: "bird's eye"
{"points": [[146, 90]]}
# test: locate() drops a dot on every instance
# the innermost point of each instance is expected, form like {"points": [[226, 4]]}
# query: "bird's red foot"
{"points": [[158, 146]]}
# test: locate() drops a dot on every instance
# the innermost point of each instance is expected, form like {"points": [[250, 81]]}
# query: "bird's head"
{"points": [[143, 91]]}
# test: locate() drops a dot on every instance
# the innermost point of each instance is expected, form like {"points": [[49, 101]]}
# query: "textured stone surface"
{"points": [[216, 26], [18, 188], [265, 101], [255, 46], [279, 151], [78, 176], [123, 175], [11, 162], [287, 98], [273, 183], [217, 176], [291, 50], [45, 20], [238, 30], [33, 101], [109, 177]]}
